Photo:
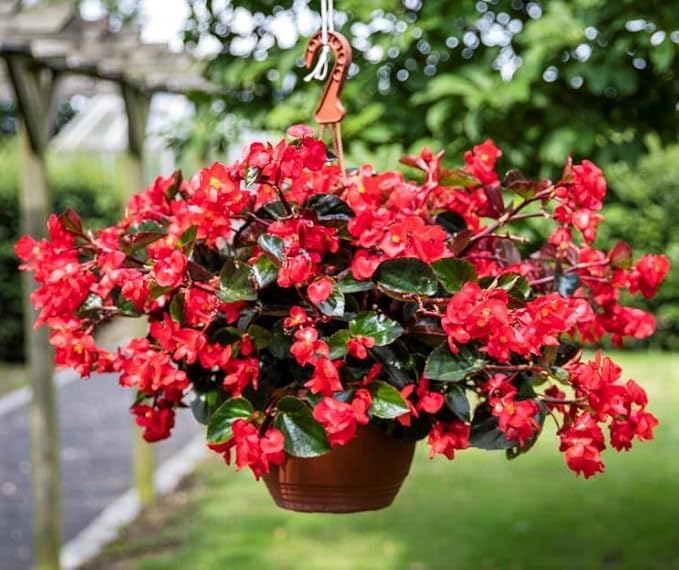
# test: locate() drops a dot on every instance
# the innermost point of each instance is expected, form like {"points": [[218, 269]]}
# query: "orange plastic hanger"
{"points": [[330, 110]]}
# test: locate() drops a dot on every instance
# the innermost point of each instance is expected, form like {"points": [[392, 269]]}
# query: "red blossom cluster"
{"points": [[280, 291]]}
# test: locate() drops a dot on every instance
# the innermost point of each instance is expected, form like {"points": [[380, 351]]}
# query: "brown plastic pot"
{"points": [[363, 475]]}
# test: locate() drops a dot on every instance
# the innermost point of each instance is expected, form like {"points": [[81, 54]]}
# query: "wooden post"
{"points": [[33, 88], [137, 105]]}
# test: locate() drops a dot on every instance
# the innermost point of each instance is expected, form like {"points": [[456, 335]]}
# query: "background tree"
{"points": [[593, 77]]}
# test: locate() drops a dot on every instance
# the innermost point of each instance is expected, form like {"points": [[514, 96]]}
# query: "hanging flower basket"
{"points": [[363, 475], [320, 322]]}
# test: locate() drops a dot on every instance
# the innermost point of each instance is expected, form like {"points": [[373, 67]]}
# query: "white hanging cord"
{"points": [[320, 72]]}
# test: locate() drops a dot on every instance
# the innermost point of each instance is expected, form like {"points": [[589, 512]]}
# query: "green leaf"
{"points": [[457, 402], [260, 336], [203, 405], [396, 359], [338, 344], [405, 277], [157, 291], [225, 335], [197, 272], [452, 222], [350, 285], [453, 273], [329, 207], [516, 285], [485, 433], [273, 245], [188, 238], [445, 366], [130, 243], [378, 326], [457, 177], [304, 436], [264, 271], [280, 342], [387, 402], [235, 282], [219, 429], [333, 306], [177, 308]]}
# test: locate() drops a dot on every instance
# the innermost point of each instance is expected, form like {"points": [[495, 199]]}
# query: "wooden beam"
{"points": [[33, 86], [137, 105], [45, 470]]}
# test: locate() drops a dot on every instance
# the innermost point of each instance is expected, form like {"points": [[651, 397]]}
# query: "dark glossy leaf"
{"points": [[177, 308], [188, 238], [280, 342], [460, 241], [304, 436], [157, 291], [219, 428], [387, 402], [350, 285], [457, 401], [235, 280], [516, 285], [376, 325], [134, 242], [445, 366], [198, 272], [273, 245], [452, 222], [333, 306], [567, 284], [264, 271], [260, 336], [272, 211], [453, 273], [405, 277], [396, 360], [204, 405], [329, 207], [225, 335], [485, 433], [338, 344]]}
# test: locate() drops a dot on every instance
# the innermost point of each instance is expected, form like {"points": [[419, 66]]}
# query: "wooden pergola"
{"points": [[51, 52]]}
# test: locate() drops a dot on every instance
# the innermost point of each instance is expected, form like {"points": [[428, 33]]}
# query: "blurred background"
{"points": [[595, 78]]}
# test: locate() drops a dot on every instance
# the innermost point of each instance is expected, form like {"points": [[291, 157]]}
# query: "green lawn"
{"points": [[478, 512]]}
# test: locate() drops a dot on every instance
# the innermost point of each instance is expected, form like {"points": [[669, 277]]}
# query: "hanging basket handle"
{"points": [[330, 110]]}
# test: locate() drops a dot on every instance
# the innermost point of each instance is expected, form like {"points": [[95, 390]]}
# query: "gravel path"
{"points": [[96, 461]]}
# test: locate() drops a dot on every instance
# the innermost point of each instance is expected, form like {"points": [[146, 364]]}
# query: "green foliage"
{"points": [[76, 183], [304, 436], [644, 212], [386, 402], [445, 366], [543, 79]]}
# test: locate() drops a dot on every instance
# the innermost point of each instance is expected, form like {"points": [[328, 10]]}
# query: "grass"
{"points": [[480, 512], [12, 376]]}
